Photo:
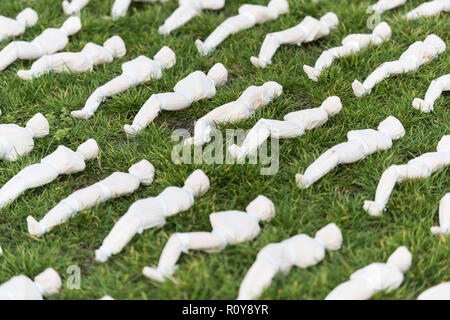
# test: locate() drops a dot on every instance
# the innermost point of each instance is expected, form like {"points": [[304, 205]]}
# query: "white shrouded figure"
{"points": [[249, 16], [14, 27], [419, 53], [228, 228], [151, 213], [188, 9], [428, 9], [21, 287], [301, 250], [375, 277], [250, 100], [134, 73], [434, 91], [439, 292], [418, 168], [76, 62], [350, 45], [196, 86], [308, 30], [1, 251], [116, 185], [360, 144], [51, 40], [120, 7], [444, 216], [385, 5], [61, 161], [16, 141], [74, 6], [295, 124]]}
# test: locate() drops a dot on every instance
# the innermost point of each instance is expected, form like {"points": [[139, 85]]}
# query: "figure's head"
{"points": [[38, 125], [49, 281], [330, 19], [401, 258], [198, 182], [436, 42], [331, 236], [166, 57], [72, 25], [281, 6], [89, 149], [383, 31], [444, 144], [273, 89], [392, 127], [332, 105], [28, 16], [262, 207], [116, 44], [218, 74], [144, 170]]}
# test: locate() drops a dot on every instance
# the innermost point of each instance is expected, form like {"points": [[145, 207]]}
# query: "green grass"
{"points": [[338, 197]]}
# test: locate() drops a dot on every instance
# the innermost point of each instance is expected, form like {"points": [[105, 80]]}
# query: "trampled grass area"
{"points": [[337, 198]]}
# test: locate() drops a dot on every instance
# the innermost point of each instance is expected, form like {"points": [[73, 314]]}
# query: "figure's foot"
{"points": [[311, 72], [25, 75], [202, 49], [358, 89], [153, 274], [301, 181], [102, 255], [421, 105], [258, 62], [372, 208], [34, 227], [130, 130], [81, 114], [164, 30]]}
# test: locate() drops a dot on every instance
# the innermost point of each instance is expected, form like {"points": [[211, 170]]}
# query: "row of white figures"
{"points": [[134, 73], [434, 91], [418, 53], [51, 40], [14, 27]]}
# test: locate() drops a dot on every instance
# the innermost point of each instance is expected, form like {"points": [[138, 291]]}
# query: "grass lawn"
{"points": [[338, 197]]}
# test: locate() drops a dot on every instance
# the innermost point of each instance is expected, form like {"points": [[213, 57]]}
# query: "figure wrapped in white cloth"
{"points": [[116, 185], [228, 227], [14, 27], [434, 91], [295, 124], [439, 292], [444, 216], [21, 287], [74, 7], [350, 45], [250, 100], [360, 144], [120, 7], [385, 5], [16, 141], [428, 9], [76, 62], [196, 86], [301, 250], [418, 168], [151, 213], [61, 161], [375, 277], [308, 30], [417, 54], [188, 9], [134, 73], [249, 16], [51, 40]]}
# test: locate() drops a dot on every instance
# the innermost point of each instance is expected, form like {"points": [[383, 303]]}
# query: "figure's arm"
{"points": [[436, 88]]}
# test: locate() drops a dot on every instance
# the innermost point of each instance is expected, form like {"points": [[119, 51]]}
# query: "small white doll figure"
{"points": [[228, 228], [428, 9], [48, 42], [187, 10], [444, 216], [360, 144], [151, 213], [14, 27], [434, 91], [418, 168], [249, 16], [120, 7], [385, 5], [439, 292], [375, 277], [116, 185], [76, 62], [308, 30], [16, 141], [351, 44], [62, 161], [21, 287], [134, 73], [74, 6], [301, 250], [195, 87], [419, 53]]}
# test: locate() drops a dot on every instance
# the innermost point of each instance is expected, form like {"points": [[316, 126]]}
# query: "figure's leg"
{"points": [[12, 190], [268, 49], [56, 216], [8, 55], [179, 17], [38, 68], [351, 290], [325, 61], [120, 8], [378, 75], [324, 164], [433, 93]]}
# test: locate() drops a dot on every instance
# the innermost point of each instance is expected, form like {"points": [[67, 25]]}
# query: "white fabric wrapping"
{"points": [[428, 9], [350, 45], [51, 40], [434, 91], [116, 185], [417, 54], [308, 30], [294, 125], [106, 298], [14, 27], [375, 277], [188, 9], [76, 62], [21, 287], [249, 15], [152, 212], [385, 5], [444, 216], [439, 292], [360, 144], [417, 168], [134, 73], [120, 7], [250, 100], [1, 251], [16, 141], [74, 6], [196, 86], [61, 161], [301, 251], [228, 227]]}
